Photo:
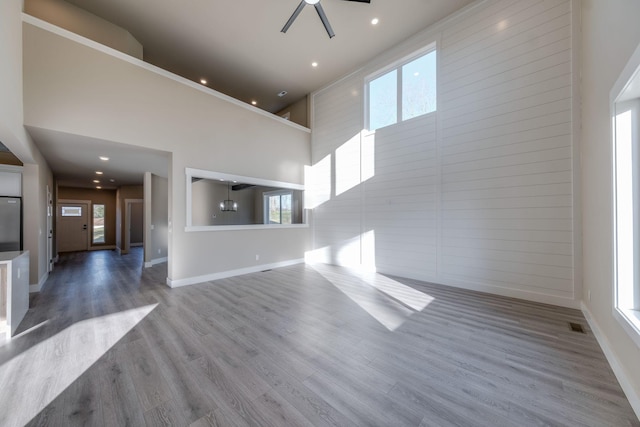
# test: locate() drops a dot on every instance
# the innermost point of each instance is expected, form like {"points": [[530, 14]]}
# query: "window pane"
{"points": [[71, 211], [383, 100], [285, 203], [98, 223], [419, 86], [274, 210]]}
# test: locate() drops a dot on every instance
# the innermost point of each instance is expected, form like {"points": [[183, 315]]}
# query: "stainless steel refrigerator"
{"points": [[10, 224]]}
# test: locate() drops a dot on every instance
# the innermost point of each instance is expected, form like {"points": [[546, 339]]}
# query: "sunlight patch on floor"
{"points": [[62, 358], [386, 300]]}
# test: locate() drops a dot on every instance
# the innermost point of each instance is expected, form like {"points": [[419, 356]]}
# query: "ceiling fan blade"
{"points": [[324, 20], [361, 1], [294, 16]]}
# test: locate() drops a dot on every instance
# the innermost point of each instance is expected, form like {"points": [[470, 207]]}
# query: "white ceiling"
{"points": [[238, 47], [75, 159]]}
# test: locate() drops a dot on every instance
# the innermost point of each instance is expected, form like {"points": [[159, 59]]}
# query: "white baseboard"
{"points": [[230, 273], [154, 262], [38, 286], [562, 301], [614, 362]]}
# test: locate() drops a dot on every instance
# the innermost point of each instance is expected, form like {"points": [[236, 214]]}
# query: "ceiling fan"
{"points": [[321, 14]]}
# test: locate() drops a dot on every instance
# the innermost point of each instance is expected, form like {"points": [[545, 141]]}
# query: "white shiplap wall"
{"points": [[478, 194]]}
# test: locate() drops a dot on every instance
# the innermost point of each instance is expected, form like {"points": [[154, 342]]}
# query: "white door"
{"points": [[73, 230]]}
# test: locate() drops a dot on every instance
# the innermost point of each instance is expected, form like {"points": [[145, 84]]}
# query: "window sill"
{"points": [[242, 227], [630, 321]]}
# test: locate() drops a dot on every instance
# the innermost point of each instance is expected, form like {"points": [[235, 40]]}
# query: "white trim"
{"points": [[219, 176], [38, 286], [616, 366], [230, 273], [199, 228], [493, 289], [154, 262], [201, 173], [145, 65], [630, 322], [628, 319], [576, 154]]}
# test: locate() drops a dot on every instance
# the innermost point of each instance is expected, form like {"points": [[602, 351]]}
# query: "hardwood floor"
{"points": [[107, 343]]}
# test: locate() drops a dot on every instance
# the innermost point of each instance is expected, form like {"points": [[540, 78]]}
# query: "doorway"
{"points": [[134, 228], [73, 226]]}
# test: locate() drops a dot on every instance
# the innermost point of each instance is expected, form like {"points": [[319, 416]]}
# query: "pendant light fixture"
{"points": [[228, 205]]}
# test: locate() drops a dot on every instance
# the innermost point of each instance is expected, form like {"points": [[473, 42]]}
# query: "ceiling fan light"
{"points": [[311, 1]]}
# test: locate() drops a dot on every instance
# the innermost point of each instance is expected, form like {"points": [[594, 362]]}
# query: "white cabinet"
{"points": [[10, 184]]}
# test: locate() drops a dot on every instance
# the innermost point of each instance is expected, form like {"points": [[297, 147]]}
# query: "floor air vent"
{"points": [[576, 327]]}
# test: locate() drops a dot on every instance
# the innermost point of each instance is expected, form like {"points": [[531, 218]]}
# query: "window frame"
{"points": [[191, 173], [627, 314], [265, 199], [397, 66]]}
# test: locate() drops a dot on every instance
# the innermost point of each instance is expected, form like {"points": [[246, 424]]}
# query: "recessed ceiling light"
{"points": [[314, 64], [375, 21], [98, 173], [98, 188], [416, 74], [112, 180], [254, 102], [95, 181], [203, 81], [283, 93], [104, 158]]}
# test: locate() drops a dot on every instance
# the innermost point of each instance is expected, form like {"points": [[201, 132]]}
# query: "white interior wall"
{"points": [[72, 85], [478, 194], [73, 18], [610, 36], [36, 173], [160, 216]]}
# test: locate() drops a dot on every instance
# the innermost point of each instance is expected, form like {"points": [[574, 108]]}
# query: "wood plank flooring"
{"points": [[107, 343]]}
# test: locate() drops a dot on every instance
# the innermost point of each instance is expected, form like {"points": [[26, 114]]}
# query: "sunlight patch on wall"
{"points": [[369, 251], [63, 358], [368, 156], [348, 254], [317, 180], [348, 165], [355, 161], [320, 255]]}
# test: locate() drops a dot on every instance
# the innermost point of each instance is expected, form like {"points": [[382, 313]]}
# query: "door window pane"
{"points": [[71, 210]]}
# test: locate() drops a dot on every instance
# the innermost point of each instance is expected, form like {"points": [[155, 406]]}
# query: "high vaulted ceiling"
{"points": [[237, 46]]}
